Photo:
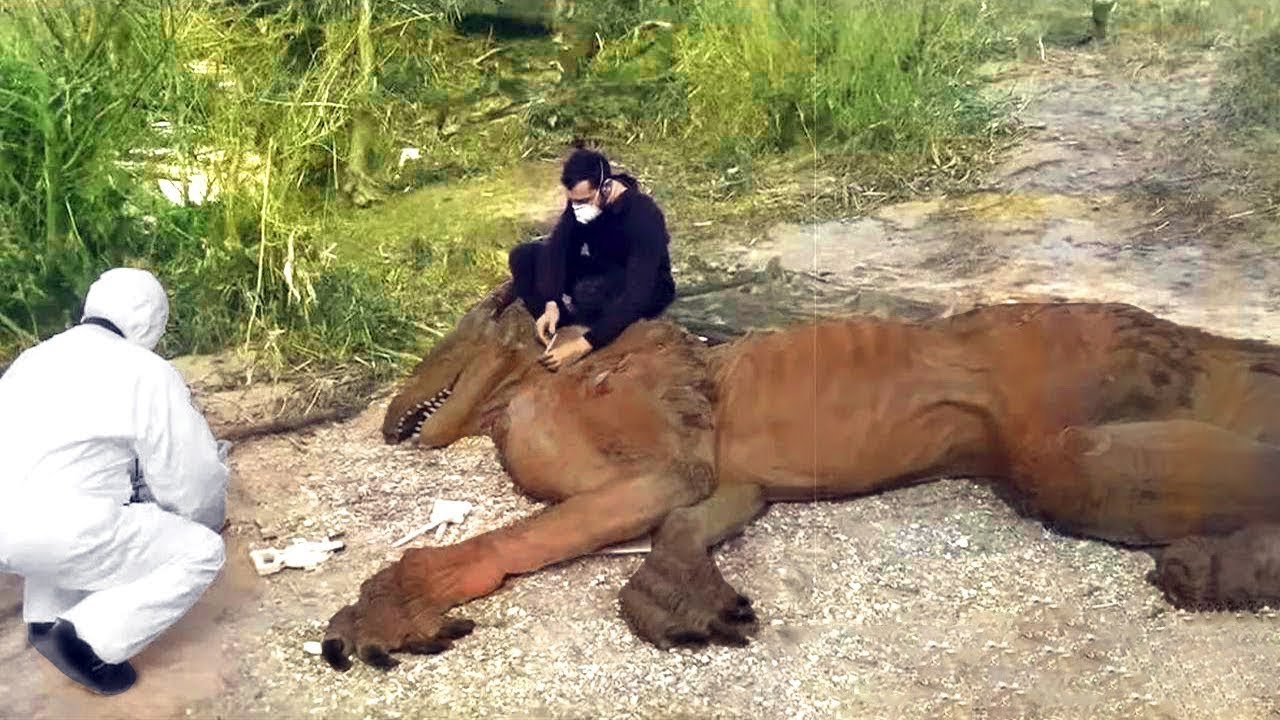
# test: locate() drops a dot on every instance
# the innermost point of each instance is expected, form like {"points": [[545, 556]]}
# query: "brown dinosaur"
{"points": [[1101, 419]]}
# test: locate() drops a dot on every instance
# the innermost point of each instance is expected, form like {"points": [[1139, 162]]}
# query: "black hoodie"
{"points": [[628, 237]]}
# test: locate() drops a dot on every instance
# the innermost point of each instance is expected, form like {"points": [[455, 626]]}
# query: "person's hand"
{"points": [[546, 323], [564, 355]]}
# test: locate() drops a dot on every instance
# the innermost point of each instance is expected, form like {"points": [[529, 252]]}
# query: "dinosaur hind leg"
{"points": [[678, 596], [1150, 483]]}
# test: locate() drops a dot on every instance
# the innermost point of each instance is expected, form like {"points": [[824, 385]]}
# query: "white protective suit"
{"points": [[76, 411]]}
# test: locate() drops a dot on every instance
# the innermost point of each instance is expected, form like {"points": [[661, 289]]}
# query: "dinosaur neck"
{"points": [[717, 355], [494, 410]]}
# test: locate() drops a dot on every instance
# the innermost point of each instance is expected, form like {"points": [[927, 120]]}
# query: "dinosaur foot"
{"points": [[1239, 571], [401, 609], [678, 598]]}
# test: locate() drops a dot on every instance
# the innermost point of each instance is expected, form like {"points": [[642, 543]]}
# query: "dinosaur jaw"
{"points": [[411, 422], [447, 403], [444, 398]]}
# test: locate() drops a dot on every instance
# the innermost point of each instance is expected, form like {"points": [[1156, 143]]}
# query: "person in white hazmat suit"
{"points": [[105, 572]]}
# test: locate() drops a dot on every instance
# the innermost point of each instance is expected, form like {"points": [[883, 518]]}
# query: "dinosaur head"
{"points": [[445, 397]]}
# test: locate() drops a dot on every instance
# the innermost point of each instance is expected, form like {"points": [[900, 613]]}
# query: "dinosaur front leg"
{"points": [[401, 608], [678, 595]]}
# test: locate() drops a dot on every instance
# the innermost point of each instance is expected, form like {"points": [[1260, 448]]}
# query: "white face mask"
{"points": [[586, 213]]}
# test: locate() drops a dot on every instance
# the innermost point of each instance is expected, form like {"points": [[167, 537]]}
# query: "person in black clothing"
{"points": [[605, 264]]}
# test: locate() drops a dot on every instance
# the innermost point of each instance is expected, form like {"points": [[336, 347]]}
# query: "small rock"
{"points": [[311, 647]]}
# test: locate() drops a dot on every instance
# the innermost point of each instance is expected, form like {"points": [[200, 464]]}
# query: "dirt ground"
{"points": [[931, 602]]}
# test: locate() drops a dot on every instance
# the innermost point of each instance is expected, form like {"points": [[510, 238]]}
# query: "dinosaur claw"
{"points": [[337, 644], [688, 637], [678, 597], [398, 611], [378, 657], [739, 611], [428, 647], [335, 653], [455, 629]]}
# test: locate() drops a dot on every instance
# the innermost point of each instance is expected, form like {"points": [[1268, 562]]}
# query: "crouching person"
{"points": [[104, 574]]}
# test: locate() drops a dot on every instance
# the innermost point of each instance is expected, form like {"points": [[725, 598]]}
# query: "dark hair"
{"points": [[584, 164]]}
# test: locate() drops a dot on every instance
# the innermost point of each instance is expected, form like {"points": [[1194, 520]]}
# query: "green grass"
{"points": [[734, 114], [1248, 110], [75, 85], [437, 249], [1250, 96], [1167, 24]]}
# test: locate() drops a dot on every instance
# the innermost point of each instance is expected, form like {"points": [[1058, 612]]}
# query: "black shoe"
{"points": [[38, 632], [73, 656]]}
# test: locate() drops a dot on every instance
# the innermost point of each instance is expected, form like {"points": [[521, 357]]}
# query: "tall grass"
{"points": [[875, 74], [1164, 24], [1250, 96], [277, 102], [1199, 22], [263, 98], [730, 80], [83, 86], [1248, 108], [77, 83]]}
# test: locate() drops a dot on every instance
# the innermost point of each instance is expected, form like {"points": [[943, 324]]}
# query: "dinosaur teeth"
{"points": [[413, 420]]}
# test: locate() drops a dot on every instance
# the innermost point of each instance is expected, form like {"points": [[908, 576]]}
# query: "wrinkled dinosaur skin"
{"points": [[1099, 419]]}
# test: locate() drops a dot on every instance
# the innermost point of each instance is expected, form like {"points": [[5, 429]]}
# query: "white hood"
{"points": [[134, 300]]}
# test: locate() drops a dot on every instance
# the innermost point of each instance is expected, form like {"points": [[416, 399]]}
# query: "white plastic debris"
{"points": [[302, 554], [631, 547], [311, 647], [443, 513], [407, 154]]}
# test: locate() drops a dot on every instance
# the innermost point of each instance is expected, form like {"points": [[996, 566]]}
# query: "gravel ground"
{"points": [[934, 601], [930, 602]]}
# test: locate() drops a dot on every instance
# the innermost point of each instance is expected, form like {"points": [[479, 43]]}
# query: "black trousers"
{"points": [[591, 288]]}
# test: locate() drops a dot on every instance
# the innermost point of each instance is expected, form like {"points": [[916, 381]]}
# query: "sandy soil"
{"points": [[935, 601]]}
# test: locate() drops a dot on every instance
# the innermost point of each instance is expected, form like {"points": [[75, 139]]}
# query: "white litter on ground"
{"points": [[443, 513], [302, 554]]}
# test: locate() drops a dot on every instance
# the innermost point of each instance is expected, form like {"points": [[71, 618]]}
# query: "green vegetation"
{"points": [[1163, 24], [75, 86], [1249, 108], [325, 242], [1251, 96]]}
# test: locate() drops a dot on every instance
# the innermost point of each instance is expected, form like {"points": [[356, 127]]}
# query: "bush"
{"points": [[1250, 97], [75, 81], [81, 85], [765, 76]]}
